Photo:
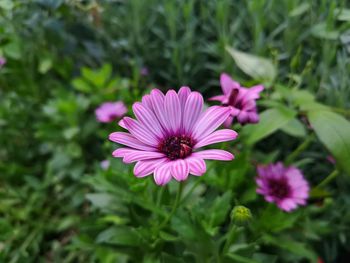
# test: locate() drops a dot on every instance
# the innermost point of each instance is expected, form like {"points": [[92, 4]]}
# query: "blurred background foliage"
{"points": [[64, 58]]}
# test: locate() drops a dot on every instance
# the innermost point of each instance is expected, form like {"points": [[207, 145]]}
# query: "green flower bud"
{"points": [[241, 214]]}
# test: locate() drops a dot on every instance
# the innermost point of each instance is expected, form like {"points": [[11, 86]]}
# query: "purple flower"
{"points": [[105, 164], [2, 61], [109, 111], [165, 138], [144, 71], [284, 186], [240, 100]]}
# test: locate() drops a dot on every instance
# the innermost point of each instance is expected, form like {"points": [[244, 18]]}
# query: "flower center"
{"points": [[279, 188], [176, 147], [233, 100]]}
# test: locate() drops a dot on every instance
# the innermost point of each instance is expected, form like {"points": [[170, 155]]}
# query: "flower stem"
{"points": [[175, 206], [299, 149], [328, 179], [230, 237]]}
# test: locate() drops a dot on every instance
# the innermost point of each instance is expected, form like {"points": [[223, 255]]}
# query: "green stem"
{"points": [[230, 237], [299, 149], [328, 179], [175, 206]]}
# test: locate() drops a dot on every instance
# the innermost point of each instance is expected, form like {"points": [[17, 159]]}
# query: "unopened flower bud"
{"points": [[241, 214]]}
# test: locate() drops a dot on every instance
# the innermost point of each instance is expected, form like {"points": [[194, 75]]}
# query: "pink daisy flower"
{"points": [[284, 186], [109, 111], [165, 138], [240, 100], [2, 61]]}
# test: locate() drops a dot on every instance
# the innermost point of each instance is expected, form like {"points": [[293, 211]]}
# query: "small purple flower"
{"points": [[331, 159], [284, 186], [110, 111], [2, 61], [105, 164], [144, 71], [242, 101]]}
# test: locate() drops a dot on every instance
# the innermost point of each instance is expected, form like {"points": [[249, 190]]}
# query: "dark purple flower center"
{"points": [[176, 147], [233, 100], [279, 188], [113, 116]]}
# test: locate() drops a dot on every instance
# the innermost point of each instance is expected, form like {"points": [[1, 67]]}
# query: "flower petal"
{"points": [[148, 119], [131, 155], [214, 155], [183, 93], [140, 132], [122, 124], [193, 109], [172, 109], [130, 141], [217, 136], [227, 83], [162, 174], [180, 170], [158, 107], [146, 167], [197, 165], [220, 98], [211, 119]]}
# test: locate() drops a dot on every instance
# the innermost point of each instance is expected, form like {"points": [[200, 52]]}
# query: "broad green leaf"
{"points": [[300, 9], [292, 246], [321, 31], [13, 50], [254, 66], [119, 236], [333, 130], [294, 128], [342, 14], [81, 85], [270, 121], [100, 200]]}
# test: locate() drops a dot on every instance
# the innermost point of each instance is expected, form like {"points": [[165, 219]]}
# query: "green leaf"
{"points": [[256, 67], [13, 50], [342, 14], [119, 236], [322, 31], [294, 128], [100, 200], [80, 85], [333, 130], [270, 121], [45, 65], [241, 259], [292, 246], [300, 9]]}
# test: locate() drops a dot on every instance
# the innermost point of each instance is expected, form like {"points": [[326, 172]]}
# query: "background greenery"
{"points": [[64, 58]]}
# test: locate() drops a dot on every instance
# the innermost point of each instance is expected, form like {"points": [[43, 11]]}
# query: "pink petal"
{"points": [[140, 132], [228, 122], [253, 93], [197, 165], [129, 140], [211, 119], [180, 170], [147, 102], [172, 109], [242, 117], [122, 124], [183, 93], [214, 155], [144, 168], [220, 98], [253, 117], [162, 174], [193, 109], [227, 83], [148, 119], [158, 107], [217, 136], [131, 155]]}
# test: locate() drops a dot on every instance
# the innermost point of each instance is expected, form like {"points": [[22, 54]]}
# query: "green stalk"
{"points": [[328, 179], [299, 149]]}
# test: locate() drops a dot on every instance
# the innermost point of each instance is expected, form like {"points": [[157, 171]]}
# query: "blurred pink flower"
{"points": [[105, 164], [144, 71], [2, 61], [110, 111], [168, 131], [240, 100], [284, 186], [331, 159]]}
